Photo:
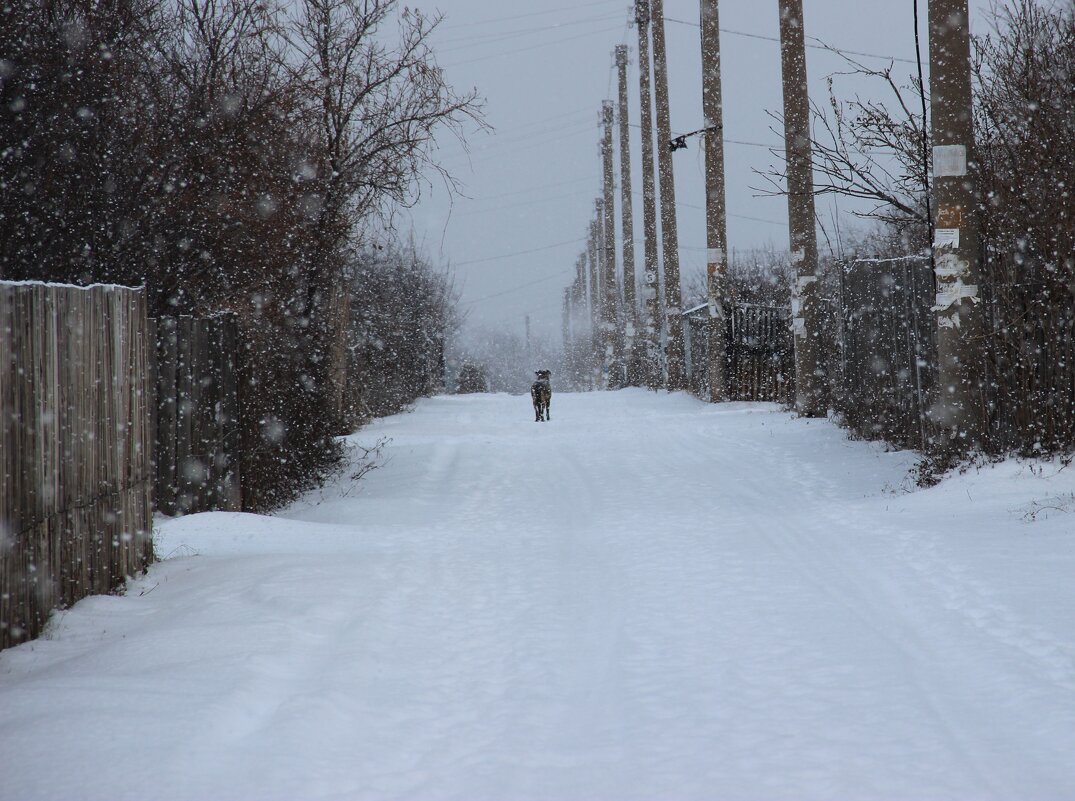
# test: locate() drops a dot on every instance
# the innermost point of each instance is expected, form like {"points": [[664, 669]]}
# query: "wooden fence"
{"points": [[76, 447], [197, 429], [758, 357]]}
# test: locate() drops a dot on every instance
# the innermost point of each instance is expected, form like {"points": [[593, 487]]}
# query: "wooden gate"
{"points": [[758, 358]]}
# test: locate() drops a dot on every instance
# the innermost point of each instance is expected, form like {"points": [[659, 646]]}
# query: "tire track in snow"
{"points": [[883, 601]]}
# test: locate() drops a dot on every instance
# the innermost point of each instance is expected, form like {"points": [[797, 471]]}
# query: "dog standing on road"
{"points": [[541, 394]]}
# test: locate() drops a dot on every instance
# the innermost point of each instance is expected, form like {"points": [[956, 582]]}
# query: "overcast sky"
{"points": [[544, 67]]}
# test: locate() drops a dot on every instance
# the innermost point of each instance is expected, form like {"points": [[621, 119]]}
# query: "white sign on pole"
{"points": [[946, 238], [949, 161]]}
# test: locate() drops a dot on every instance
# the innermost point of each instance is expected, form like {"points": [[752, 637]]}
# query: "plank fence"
{"points": [[758, 358], [197, 410], [76, 447]]}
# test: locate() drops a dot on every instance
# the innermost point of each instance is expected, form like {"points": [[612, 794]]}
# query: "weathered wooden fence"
{"points": [[76, 447], [197, 431], [758, 357]]}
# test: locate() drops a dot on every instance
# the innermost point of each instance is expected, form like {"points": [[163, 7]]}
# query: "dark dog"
{"points": [[541, 394]]}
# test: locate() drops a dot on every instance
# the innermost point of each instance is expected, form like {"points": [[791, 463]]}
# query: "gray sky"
{"points": [[544, 67]]}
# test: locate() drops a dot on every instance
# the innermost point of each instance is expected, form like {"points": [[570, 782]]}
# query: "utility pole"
{"points": [[604, 341], [805, 311], [716, 221], [580, 279], [578, 316], [677, 373], [595, 295], [529, 359], [565, 323], [611, 288], [956, 244], [651, 300], [627, 228]]}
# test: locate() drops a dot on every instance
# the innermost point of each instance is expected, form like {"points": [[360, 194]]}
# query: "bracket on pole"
{"points": [[680, 142]]}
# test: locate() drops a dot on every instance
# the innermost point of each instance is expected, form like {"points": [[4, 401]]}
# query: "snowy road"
{"points": [[648, 598]]}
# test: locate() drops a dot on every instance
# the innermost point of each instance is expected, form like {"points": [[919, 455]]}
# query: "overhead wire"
{"points": [[479, 155], [505, 256], [728, 141], [544, 12], [575, 128], [535, 188], [516, 50], [521, 204], [492, 149], [517, 134], [478, 39], [820, 45], [501, 294]]}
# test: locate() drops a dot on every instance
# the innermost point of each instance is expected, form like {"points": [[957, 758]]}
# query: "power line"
{"points": [[492, 150], [514, 17], [535, 188], [819, 46], [519, 252], [522, 133], [728, 141], [521, 204], [587, 109], [536, 134], [737, 216], [478, 39], [531, 47], [560, 274]]}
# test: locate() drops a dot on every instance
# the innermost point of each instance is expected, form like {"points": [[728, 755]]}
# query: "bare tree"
{"points": [[229, 154], [71, 87], [869, 149], [1025, 119], [404, 312], [374, 111]]}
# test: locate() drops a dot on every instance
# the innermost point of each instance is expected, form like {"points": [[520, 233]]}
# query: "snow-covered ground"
{"points": [[648, 598]]}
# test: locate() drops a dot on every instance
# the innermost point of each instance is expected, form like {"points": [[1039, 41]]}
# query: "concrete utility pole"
{"points": [[651, 299], [565, 321], [716, 221], [956, 245], [677, 371], [604, 327], [529, 359], [611, 287], [627, 228], [595, 296], [805, 310], [580, 279]]}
